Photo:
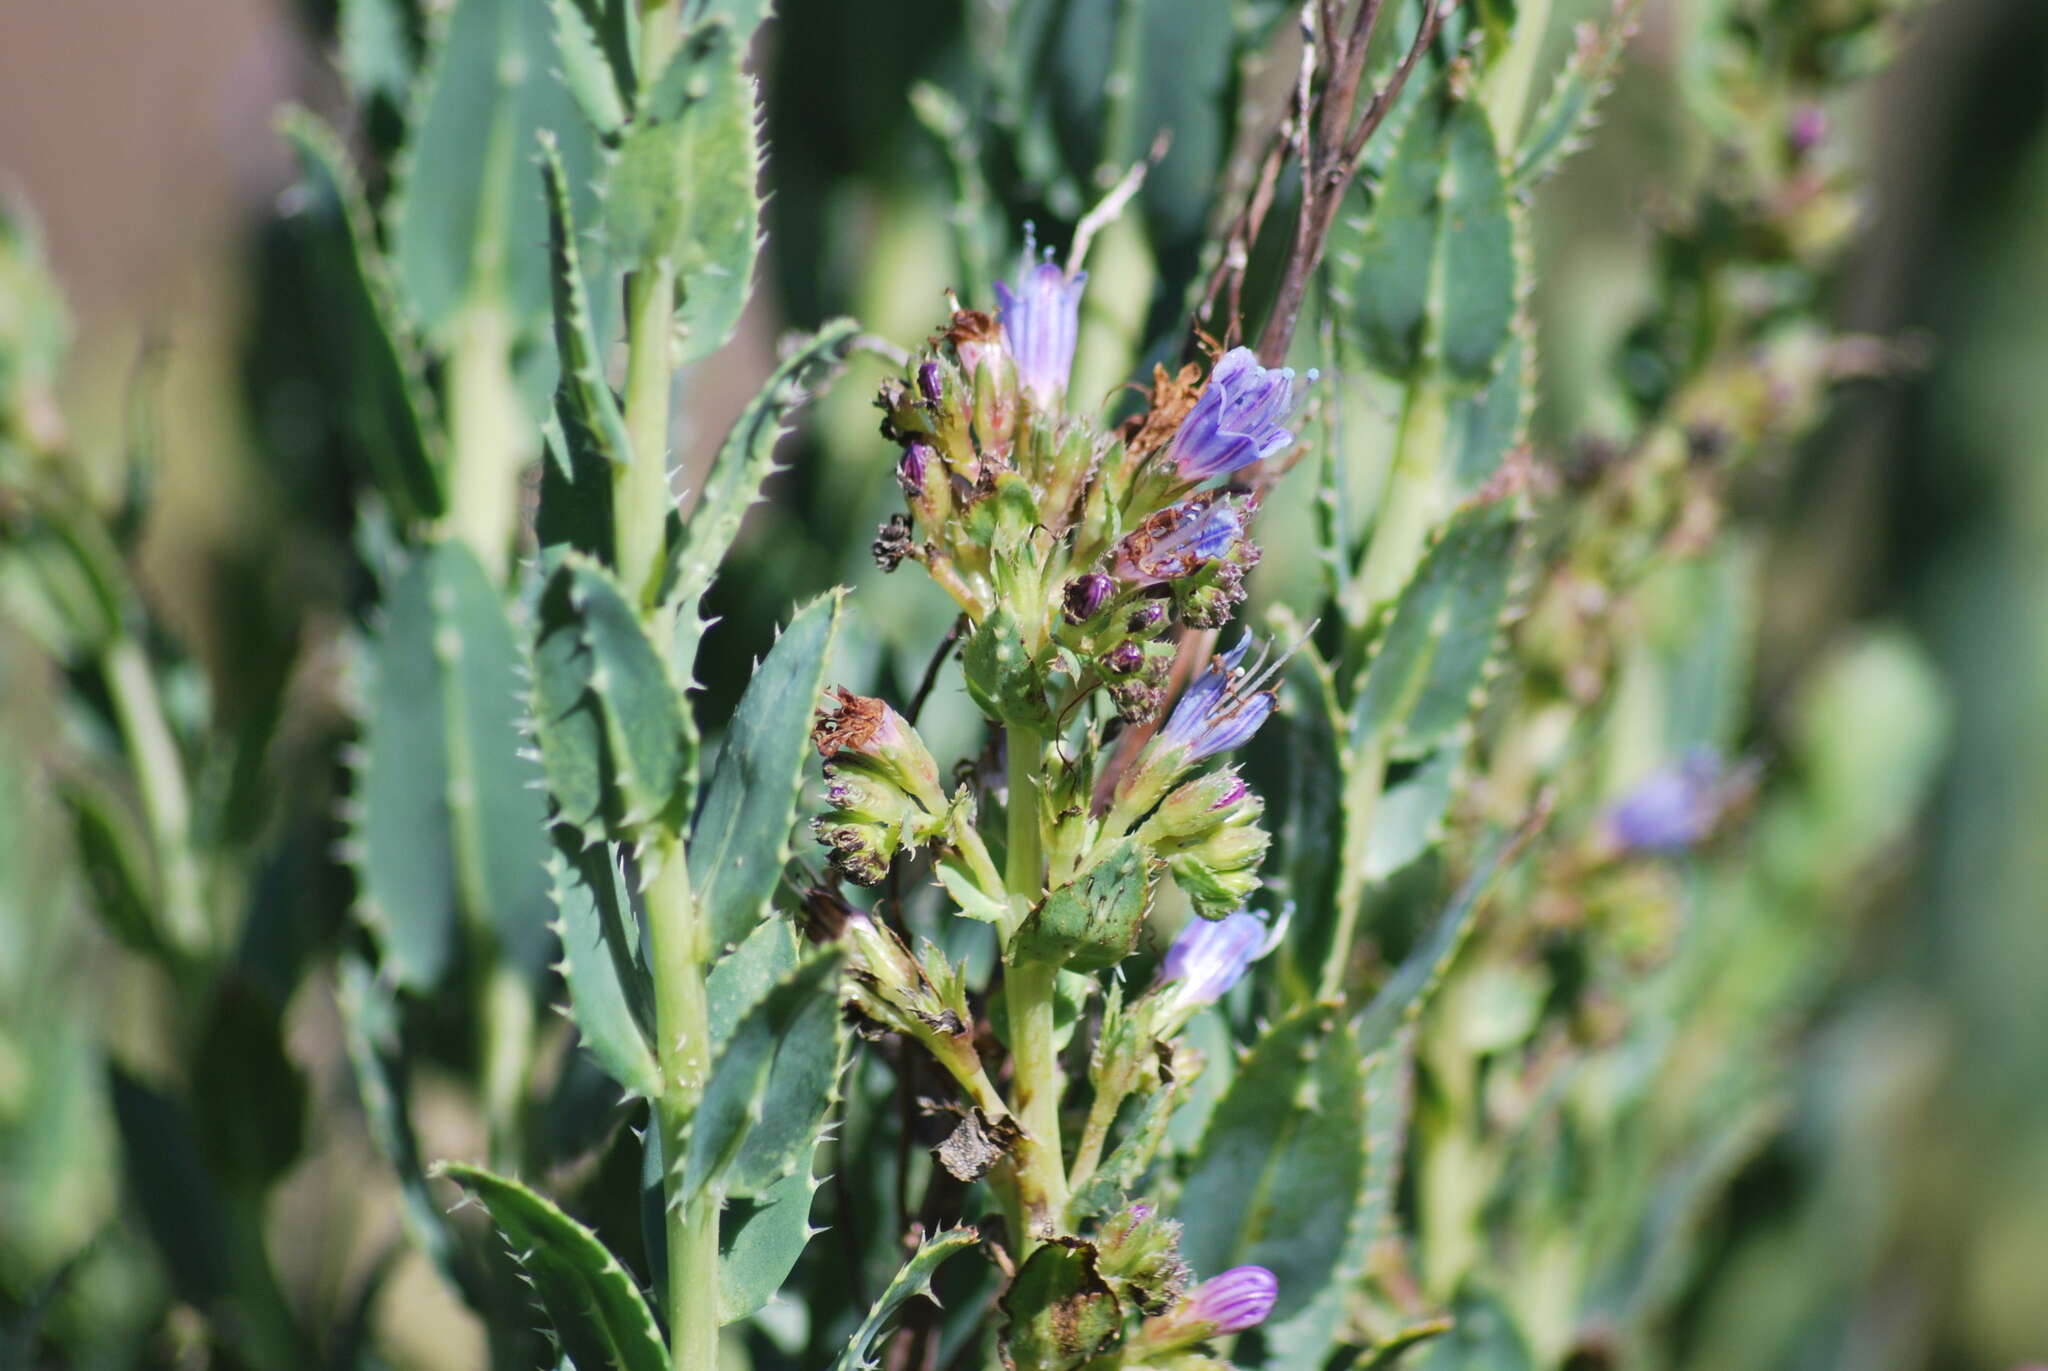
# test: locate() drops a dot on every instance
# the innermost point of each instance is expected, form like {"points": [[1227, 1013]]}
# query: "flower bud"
{"points": [[860, 852], [1147, 616], [1239, 1299], [927, 485], [865, 734], [1086, 595], [931, 383], [1200, 807], [1138, 1253], [1221, 871], [1124, 659]]}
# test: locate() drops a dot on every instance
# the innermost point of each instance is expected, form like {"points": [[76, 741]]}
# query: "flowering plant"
{"points": [[1252, 989]]}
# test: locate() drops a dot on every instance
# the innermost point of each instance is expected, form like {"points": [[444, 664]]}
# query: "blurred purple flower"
{"points": [[1041, 320], [1239, 419], [1178, 540], [1673, 810]]}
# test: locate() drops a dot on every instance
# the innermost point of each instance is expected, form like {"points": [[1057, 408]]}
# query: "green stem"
{"points": [[641, 485], [1507, 92], [1028, 989], [677, 940], [160, 782], [1361, 799], [507, 1052], [491, 438]]}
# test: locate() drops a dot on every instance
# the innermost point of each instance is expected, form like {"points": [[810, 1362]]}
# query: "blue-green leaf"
{"points": [[596, 1311], [741, 839]]}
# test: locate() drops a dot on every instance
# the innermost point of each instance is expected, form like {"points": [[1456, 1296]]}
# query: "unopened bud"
{"points": [[1201, 807], [1239, 1299], [1124, 659], [860, 852], [931, 383], [1086, 595], [1148, 615]]}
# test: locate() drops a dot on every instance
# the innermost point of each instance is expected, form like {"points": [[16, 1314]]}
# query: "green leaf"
{"points": [[595, 1309], [1430, 276], [1421, 681], [1559, 126], [1482, 1337], [376, 49], [913, 1278], [1001, 676], [449, 825], [1486, 424], [745, 461], [113, 854], [743, 977], [1277, 1177], [1305, 1341], [1059, 1311], [1409, 817], [1091, 923], [1105, 1191], [615, 740], [370, 1033], [466, 207], [599, 86], [584, 404], [771, 1086], [1402, 997], [682, 188], [390, 419], [741, 839], [610, 989], [759, 1241]]}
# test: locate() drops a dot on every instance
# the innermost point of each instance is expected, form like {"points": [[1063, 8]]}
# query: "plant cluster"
{"points": [[1374, 982]]}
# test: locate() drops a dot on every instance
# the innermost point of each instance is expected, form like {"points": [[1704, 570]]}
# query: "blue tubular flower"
{"points": [[1041, 321], [1676, 808], [1207, 958], [1239, 419], [1223, 708]]}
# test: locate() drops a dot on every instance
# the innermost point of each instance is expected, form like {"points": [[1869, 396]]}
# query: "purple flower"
{"points": [[1239, 419], [1671, 811], [1224, 706], [1086, 595], [1208, 958], [1041, 320], [1178, 540], [1238, 1299]]}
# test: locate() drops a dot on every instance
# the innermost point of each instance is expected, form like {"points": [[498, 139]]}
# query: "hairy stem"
{"points": [[682, 1021]]}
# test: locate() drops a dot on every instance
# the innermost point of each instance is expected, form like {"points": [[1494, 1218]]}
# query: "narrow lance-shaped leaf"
{"points": [[770, 1087], [1432, 658], [741, 839], [913, 1278], [594, 1308], [1402, 997], [745, 461], [610, 990], [448, 821], [1559, 126], [389, 418], [681, 190], [467, 207], [1305, 1341], [1277, 1178], [615, 740]]}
